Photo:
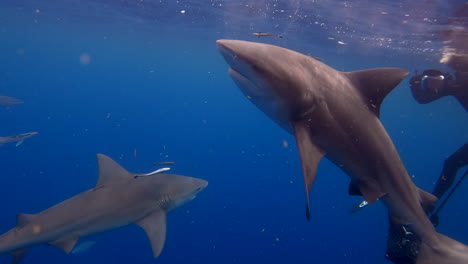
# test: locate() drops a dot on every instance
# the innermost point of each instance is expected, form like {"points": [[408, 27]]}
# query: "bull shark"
{"points": [[336, 114], [19, 139], [118, 199]]}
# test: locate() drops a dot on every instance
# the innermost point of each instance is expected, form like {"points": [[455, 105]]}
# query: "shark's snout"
{"points": [[240, 55], [226, 49], [200, 185]]}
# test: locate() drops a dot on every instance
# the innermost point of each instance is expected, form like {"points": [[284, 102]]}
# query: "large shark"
{"points": [[118, 199], [336, 114], [19, 139]]}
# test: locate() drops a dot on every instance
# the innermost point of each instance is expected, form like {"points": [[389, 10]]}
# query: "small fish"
{"points": [[9, 101], [164, 163], [152, 173], [260, 34], [359, 206]]}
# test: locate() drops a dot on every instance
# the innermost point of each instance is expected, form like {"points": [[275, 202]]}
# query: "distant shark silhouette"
{"points": [[9, 101], [336, 114], [119, 198], [19, 139]]}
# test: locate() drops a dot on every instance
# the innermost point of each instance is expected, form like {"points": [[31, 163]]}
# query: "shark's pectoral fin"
{"points": [[310, 155], [19, 142], [18, 255], [110, 171], [66, 245], [155, 228], [23, 219], [375, 84]]}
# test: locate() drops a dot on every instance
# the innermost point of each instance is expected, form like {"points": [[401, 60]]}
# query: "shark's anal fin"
{"points": [[110, 171], [23, 219], [155, 228], [66, 245], [310, 155], [375, 84], [18, 255]]}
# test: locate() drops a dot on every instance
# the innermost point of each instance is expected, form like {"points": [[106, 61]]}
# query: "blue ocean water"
{"points": [[143, 82]]}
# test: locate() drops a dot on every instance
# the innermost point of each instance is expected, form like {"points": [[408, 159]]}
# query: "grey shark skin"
{"points": [[336, 114], [118, 199], [19, 139]]}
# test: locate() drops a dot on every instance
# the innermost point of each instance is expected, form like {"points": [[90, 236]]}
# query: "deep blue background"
{"points": [[157, 86]]}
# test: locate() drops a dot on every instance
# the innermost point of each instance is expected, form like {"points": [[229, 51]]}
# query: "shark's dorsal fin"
{"points": [[375, 84], [155, 228], [66, 245], [310, 155], [23, 219], [110, 171]]}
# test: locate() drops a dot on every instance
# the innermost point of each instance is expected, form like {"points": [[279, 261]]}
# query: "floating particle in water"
{"points": [[85, 58]]}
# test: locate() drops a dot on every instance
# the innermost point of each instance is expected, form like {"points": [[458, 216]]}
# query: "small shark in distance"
{"points": [[118, 199], [336, 114], [19, 139], [9, 101]]}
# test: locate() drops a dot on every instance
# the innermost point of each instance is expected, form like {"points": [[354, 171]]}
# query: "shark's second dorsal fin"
{"points": [[375, 84], [110, 171], [23, 219]]}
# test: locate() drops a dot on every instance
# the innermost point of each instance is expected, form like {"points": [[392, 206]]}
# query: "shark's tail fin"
{"points": [[449, 252]]}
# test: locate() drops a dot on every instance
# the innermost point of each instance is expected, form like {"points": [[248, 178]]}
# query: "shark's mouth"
{"points": [[249, 86]]}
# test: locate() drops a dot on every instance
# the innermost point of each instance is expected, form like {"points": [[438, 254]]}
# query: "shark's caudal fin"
{"points": [[451, 252], [375, 84]]}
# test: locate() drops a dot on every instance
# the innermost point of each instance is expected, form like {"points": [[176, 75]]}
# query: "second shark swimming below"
{"points": [[118, 199], [336, 114], [19, 139]]}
